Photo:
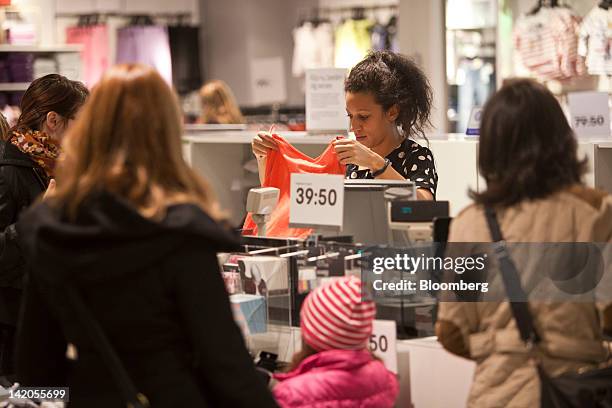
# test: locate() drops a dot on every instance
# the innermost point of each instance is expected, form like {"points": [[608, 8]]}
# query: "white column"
{"points": [[422, 36]]}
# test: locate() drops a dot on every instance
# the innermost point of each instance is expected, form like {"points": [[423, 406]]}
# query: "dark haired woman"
{"points": [[388, 102], [528, 157], [27, 161]]}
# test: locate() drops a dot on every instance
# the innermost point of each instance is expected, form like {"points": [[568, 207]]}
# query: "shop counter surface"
{"points": [[220, 156]]}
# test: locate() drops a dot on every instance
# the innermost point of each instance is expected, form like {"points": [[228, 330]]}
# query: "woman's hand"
{"points": [[262, 144], [352, 152], [50, 189]]}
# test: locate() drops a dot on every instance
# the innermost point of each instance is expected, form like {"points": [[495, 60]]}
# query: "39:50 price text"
{"points": [[319, 196]]}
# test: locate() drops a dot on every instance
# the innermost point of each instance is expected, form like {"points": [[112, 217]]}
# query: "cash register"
{"points": [[386, 212]]}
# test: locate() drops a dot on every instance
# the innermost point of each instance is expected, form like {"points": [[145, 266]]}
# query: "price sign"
{"points": [[590, 114], [383, 343], [325, 105], [268, 83], [317, 200]]}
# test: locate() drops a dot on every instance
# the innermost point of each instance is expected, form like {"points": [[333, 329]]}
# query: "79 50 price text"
{"points": [[589, 121], [321, 196]]}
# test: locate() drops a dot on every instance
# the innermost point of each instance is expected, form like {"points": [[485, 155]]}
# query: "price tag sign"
{"points": [[474, 123], [317, 201], [325, 105], [383, 343], [590, 113], [268, 83]]}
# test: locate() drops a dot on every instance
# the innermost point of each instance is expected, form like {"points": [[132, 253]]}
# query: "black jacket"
{"points": [[21, 183], [156, 290]]}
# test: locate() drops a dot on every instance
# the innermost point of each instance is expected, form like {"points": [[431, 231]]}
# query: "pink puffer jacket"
{"points": [[338, 378]]}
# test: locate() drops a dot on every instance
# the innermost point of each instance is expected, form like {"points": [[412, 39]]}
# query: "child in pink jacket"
{"points": [[335, 367]]}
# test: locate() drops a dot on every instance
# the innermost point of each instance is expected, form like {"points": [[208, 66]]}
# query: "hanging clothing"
{"points": [[353, 42], [148, 45], [279, 166], [595, 41], [313, 47], [547, 43], [413, 161], [379, 37], [95, 54], [185, 53], [392, 37]]}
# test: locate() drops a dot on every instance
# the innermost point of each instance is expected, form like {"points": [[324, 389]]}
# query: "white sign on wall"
{"points": [[268, 81], [317, 200], [590, 114], [325, 106]]}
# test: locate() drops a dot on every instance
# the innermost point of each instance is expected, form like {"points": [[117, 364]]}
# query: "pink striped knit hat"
{"points": [[335, 317]]}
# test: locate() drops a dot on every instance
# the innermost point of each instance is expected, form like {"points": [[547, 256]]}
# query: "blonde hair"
{"points": [[127, 141], [219, 104]]}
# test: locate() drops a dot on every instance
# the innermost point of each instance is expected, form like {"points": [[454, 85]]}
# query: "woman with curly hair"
{"points": [[388, 102]]}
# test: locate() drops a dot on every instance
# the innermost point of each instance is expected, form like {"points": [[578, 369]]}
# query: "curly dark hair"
{"points": [[394, 79], [527, 150]]}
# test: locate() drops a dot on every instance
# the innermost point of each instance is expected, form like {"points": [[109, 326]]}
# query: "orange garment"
{"points": [[279, 166]]}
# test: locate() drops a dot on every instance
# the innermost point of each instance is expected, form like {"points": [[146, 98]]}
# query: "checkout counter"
{"points": [[376, 214], [429, 376]]}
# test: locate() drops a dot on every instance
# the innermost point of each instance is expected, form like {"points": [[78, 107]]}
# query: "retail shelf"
{"points": [[14, 86], [41, 48]]}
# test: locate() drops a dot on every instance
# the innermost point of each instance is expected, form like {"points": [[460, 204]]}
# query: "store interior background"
{"points": [[236, 33]]}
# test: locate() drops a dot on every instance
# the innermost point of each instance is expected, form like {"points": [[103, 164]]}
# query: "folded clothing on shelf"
{"points": [[20, 66], [22, 34], [69, 65], [44, 66]]}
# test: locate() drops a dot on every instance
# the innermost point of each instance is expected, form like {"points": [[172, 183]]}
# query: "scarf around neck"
{"points": [[42, 149]]}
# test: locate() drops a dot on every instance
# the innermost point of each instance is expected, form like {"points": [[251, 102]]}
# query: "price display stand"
{"points": [[590, 114], [317, 201]]}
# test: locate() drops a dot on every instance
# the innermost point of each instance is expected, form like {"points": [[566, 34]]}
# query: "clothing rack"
{"points": [[319, 15], [140, 18], [545, 4], [359, 8]]}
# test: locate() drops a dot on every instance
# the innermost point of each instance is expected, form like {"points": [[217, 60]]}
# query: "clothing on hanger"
{"points": [[547, 45], [379, 37], [185, 53], [146, 44], [595, 41], [313, 47], [95, 54], [353, 42], [279, 167]]}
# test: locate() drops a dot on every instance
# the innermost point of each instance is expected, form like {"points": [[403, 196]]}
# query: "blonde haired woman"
{"points": [[219, 105], [132, 228]]}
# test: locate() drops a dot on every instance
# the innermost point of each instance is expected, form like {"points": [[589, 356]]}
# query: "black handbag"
{"points": [[591, 389], [133, 398]]}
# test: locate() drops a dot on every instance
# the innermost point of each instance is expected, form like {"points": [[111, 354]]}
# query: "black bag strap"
{"points": [[512, 282], [133, 398]]}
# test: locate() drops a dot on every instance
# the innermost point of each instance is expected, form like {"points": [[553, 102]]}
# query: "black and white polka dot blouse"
{"points": [[411, 160]]}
